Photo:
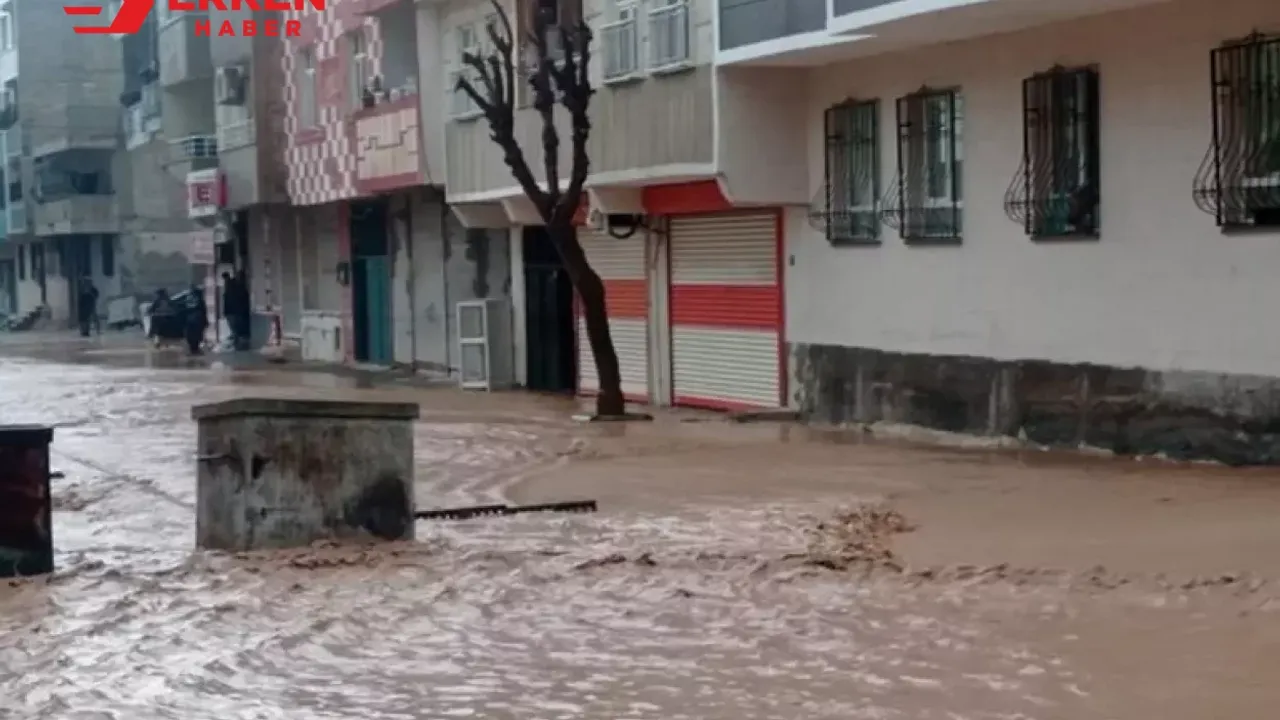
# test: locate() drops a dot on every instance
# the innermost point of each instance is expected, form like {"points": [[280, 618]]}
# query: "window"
{"points": [[7, 27], [852, 173], [307, 111], [462, 105], [22, 262], [108, 248], [621, 42], [358, 66], [1055, 192], [1239, 180], [926, 201], [669, 35]]}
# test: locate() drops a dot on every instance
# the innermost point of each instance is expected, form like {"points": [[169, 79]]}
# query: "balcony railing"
{"points": [[621, 44], [461, 106], [77, 214], [669, 36], [195, 147]]}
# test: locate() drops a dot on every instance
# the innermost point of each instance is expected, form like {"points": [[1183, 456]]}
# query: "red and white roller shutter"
{"points": [[726, 310], [621, 264]]}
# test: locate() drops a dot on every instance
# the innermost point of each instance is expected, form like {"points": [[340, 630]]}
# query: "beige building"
{"points": [[1027, 217]]}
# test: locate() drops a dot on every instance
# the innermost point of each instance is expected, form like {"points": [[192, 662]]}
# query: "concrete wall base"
{"points": [[1184, 415]]}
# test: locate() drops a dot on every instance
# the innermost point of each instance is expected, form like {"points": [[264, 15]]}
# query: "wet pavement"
{"points": [[734, 571]]}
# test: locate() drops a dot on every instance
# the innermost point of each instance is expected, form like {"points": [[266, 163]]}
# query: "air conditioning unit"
{"points": [[227, 86]]}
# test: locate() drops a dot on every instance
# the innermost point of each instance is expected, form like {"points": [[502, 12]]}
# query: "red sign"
{"points": [[205, 193], [133, 13]]}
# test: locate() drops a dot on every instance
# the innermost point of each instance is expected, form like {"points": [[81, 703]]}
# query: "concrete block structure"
{"points": [[285, 473]]}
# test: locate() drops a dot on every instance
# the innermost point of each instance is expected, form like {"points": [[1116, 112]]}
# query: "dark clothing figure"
{"points": [[237, 307], [197, 320], [88, 306], [161, 314]]}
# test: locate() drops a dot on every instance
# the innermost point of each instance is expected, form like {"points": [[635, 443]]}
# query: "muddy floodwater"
{"points": [[734, 571]]}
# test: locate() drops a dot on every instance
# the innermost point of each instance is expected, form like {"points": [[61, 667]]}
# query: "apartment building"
{"points": [[691, 270], [58, 118], [244, 196], [1036, 218], [382, 263]]}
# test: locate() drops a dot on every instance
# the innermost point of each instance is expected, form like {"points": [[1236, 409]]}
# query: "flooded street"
{"points": [[734, 571]]}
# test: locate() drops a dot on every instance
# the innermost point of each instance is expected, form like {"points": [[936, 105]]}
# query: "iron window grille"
{"points": [[1239, 180], [1055, 192], [925, 202], [847, 208]]}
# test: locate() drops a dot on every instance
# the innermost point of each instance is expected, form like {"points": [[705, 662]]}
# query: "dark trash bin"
{"points": [[26, 506]]}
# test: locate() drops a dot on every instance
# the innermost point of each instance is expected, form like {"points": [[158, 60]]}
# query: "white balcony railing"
{"points": [[621, 44], [669, 36], [461, 106], [237, 134]]}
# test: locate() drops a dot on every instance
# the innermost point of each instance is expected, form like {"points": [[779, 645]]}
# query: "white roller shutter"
{"points": [[621, 264], [726, 311]]}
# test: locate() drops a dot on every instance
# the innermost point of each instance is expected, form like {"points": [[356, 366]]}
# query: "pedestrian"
{"points": [[88, 306], [197, 320]]}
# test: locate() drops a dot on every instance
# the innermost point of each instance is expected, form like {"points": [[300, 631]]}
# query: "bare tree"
{"points": [[553, 81]]}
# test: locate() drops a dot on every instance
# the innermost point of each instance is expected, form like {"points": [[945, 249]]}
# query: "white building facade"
{"points": [[1052, 219]]}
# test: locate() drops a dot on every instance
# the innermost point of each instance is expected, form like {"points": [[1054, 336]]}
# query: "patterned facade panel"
{"points": [[321, 160]]}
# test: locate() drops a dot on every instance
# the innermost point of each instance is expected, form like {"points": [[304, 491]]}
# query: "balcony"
{"points": [[621, 42], [388, 146], [77, 214], [746, 22], [16, 217], [234, 135], [197, 151], [184, 56], [669, 37]]}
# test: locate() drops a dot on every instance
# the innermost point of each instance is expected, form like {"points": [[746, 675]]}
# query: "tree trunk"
{"points": [[590, 288]]}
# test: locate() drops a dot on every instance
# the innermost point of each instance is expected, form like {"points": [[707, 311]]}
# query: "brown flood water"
{"points": [[733, 572]]}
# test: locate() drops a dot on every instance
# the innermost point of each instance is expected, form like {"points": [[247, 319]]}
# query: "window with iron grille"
{"points": [[1055, 192], [848, 211], [925, 202], [1239, 180]]}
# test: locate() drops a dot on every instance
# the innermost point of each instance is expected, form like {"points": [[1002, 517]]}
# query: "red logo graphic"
{"points": [[133, 13]]}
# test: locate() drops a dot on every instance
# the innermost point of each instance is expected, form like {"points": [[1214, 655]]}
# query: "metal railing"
{"points": [[669, 36], [195, 147], [621, 43]]}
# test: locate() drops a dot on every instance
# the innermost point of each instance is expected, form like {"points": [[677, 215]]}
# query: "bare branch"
{"points": [[544, 101], [496, 99]]}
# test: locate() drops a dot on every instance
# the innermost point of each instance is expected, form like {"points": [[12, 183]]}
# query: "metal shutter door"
{"points": [[621, 264], [726, 310]]}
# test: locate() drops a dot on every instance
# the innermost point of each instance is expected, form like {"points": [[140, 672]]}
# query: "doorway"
{"points": [[550, 332], [371, 282], [76, 263]]}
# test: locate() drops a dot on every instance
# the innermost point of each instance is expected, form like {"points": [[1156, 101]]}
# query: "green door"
{"points": [[377, 307]]}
